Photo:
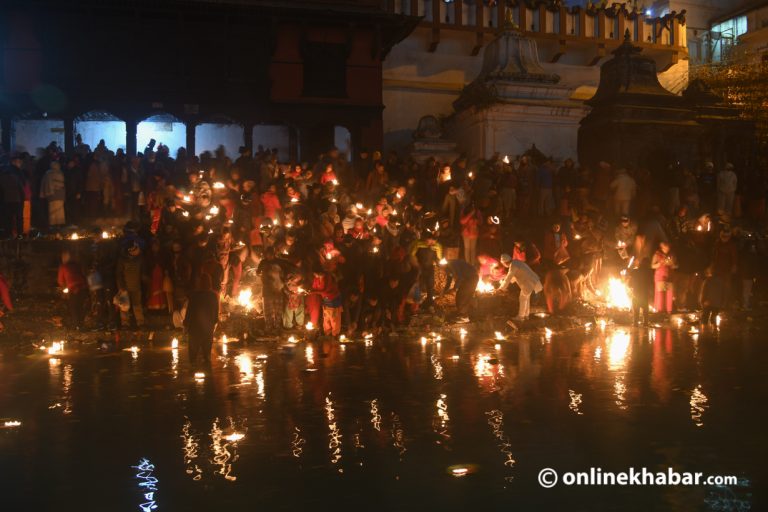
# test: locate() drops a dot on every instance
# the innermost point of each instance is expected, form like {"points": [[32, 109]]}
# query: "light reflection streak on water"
{"points": [[175, 362], [334, 433], [496, 421], [245, 367], [64, 400], [699, 404], [441, 419], [620, 391], [375, 416], [398, 436], [260, 389], [147, 485], [488, 373], [438, 367], [190, 447], [309, 353], [297, 443], [618, 347], [575, 402], [598, 353], [222, 457]]}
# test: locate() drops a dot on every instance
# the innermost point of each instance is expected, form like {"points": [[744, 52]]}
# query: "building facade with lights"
{"points": [[300, 76]]}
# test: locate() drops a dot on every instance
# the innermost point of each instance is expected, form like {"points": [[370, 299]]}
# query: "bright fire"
{"points": [[484, 287], [618, 294]]}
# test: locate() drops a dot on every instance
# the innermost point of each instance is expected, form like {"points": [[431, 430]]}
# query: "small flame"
{"points": [[74, 236], [498, 335], [505, 159], [214, 210], [218, 185], [104, 235], [443, 261], [310, 326], [175, 343]]}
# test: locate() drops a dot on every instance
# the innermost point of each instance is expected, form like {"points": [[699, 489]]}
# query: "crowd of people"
{"points": [[355, 246]]}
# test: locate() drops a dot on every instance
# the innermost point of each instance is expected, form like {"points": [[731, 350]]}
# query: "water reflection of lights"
{"points": [[245, 367], [575, 402], [297, 443], [175, 343], [437, 366], [548, 334], [309, 353], [175, 362], [147, 484], [221, 445], [375, 416], [441, 419], [699, 404], [135, 352], [11, 424], [598, 353], [618, 346], [334, 433], [620, 392], [496, 421], [199, 377], [499, 336], [398, 436], [190, 447]]}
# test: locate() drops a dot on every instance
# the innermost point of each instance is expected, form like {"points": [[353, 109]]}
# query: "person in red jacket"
{"points": [[72, 282], [271, 203], [326, 287]]}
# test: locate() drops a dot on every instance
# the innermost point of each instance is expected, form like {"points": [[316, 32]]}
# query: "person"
{"points": [[664, 264], [640, 277], [519, 272], [466, 278], [293, 314], [129, 273], [424, 254], [272, 278], [470, 230], [72, 282], [201, 319], [12, 187], [53, 189], [555, 249], [726, 189], [712, 297], [624, 190]]}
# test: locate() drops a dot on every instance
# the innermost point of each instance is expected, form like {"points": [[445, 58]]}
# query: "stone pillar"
{"points": [[248, 135], [69, 134], [191, 125], [7, 126], [130, 137]]}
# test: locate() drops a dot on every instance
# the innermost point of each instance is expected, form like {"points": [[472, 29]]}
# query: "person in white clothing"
{"points": [[726, 189], [624, 189], [519, 272]]}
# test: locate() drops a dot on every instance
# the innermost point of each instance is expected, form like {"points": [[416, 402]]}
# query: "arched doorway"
{"points": [[165, 129], [96, 125], [219, 131], [34, 132]]}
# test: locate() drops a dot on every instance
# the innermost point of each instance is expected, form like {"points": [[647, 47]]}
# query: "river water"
{"points": [[400, 424]]}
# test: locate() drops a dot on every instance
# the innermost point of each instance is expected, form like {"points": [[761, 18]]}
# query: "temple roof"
{"points": [[630, 77]]}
